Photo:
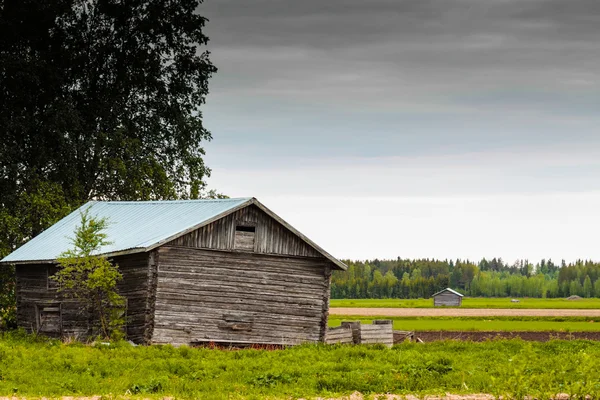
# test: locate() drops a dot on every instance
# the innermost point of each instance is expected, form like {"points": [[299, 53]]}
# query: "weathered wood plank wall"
{"points": [[238, 297], [32, 289], [152, 282], [134, 286], [447, 299], [340, 334], [37, 297], [270, 238], [37, 292], [381, 331]]}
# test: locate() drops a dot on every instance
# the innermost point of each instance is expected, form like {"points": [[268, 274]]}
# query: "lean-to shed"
{"points": [[448, 298], [223, 270]]}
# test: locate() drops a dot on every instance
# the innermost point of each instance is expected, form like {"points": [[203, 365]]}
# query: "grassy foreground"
{"points": [[558, 324], [38, 368], [475, 302]]}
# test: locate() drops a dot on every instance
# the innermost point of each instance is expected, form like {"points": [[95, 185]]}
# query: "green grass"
{"points": [[514, 368], [476, 302], [558, 324]]}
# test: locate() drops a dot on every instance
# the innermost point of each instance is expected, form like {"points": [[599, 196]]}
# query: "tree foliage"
{"points": [[92, 280], [101, 98], [98, 99]]}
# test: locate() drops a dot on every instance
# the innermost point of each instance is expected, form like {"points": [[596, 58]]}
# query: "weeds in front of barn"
{"points": [[36, 367]]}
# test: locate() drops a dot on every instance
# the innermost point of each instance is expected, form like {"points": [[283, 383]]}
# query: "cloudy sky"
{"points": [[421, 128]]}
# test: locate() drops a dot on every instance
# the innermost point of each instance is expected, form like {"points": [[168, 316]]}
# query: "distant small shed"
{"points": [[447, 298]]}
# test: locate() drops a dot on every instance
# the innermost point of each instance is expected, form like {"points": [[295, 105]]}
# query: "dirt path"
{"points": [[447, 396], [359, 396], [464, 312]]}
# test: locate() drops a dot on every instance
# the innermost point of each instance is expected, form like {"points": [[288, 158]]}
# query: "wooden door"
{"points": [[49, 320]]}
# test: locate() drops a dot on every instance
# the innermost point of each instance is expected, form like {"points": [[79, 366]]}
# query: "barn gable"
{"points": [[248, 229]]}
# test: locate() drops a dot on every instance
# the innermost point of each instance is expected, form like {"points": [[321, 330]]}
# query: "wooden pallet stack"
{"points": [[339, 335], [381, 331]]}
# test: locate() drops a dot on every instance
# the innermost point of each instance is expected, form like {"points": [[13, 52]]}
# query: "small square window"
{"points": [[244, 237]]}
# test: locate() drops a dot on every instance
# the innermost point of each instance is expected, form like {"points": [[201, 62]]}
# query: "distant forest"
{"points": [[410, 279]]}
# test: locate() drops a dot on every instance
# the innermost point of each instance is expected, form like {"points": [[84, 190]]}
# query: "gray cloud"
{"points": [[420, 46], [348, 23], [383, 77]]}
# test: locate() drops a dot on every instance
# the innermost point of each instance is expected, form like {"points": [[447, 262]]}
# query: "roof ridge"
{"points": [[146, 202]]}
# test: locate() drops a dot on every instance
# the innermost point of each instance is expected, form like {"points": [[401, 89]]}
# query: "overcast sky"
{"points": [[440, 129]]}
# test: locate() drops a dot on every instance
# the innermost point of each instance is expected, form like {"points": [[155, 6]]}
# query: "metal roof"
{"points": [[131, 225], [139, 226], [447, 290]]}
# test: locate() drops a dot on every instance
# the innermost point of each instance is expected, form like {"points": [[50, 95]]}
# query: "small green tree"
{"points": [[91, 279]]}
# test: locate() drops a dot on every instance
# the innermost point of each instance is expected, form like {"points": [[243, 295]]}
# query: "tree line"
{"points": [[420, 278]]}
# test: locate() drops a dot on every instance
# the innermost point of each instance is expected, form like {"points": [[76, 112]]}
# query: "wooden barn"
{"points": [[447, 298], [195, 271]]}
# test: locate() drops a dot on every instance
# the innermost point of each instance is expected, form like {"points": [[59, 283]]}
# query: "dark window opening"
{"points": [[244, 237]]}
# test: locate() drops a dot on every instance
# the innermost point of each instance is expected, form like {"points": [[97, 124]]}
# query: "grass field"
{"points": [[562, 324], [470, 303], [30, 368]]}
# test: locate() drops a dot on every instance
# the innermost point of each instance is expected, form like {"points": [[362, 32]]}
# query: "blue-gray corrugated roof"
{"points": [[448, 290], [132, 225]]}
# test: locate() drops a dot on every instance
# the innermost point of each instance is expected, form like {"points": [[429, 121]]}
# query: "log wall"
{"points": [[237, 297], [135, 287], [33, 291], [271, 237], [40, 308]]}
